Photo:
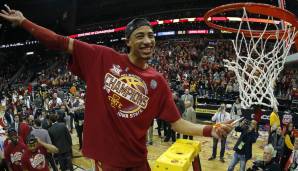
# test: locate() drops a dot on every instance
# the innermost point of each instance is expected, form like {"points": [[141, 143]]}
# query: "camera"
{"points": [[245, 124]]}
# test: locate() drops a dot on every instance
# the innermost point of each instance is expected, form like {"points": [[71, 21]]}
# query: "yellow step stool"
{"points": [[178, 157], [168, 163], [195, 144]]}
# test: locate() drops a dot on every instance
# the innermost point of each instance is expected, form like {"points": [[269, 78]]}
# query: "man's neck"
{"points": [[138, 62]]}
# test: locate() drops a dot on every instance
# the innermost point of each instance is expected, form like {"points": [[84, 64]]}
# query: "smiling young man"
{"points": [[124, 95]]}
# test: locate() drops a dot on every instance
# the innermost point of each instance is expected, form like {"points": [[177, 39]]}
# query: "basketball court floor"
{"points": [[159, 147]]}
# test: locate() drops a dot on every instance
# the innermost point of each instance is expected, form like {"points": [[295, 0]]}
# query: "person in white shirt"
{"points": [[218, 117], [55, 102]]}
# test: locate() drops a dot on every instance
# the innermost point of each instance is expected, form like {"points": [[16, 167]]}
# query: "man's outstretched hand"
{"points": [[222, 130], [13, 16]]}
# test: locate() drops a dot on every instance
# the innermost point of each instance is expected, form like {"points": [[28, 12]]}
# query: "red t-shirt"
{"points": [[35, 161], [13, 154], [121, 103]]}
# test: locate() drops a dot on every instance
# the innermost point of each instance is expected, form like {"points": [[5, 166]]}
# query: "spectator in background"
{"points": [[35, 157], [8, 116], [236, 111], [229, 90], [292, 164], [268, 163], [24, 129], [79, 120], [236, 88], [31, 120], [40, 133], [43, 135], [73, 89], [277, 141], [193, 87], [14, 149], [243, 146], [288, 145], [218, 117], [201, 87], [287, 117], [16, 124], [180, 105], [274, 118], [61, 114], [45, 122], [61, 139], [187, 97], [55, 102], [189, 115]]}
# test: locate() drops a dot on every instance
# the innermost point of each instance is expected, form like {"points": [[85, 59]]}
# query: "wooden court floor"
{"points": [[158, 147]]}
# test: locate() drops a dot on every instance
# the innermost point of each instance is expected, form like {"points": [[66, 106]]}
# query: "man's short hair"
{"points": [[37, 122], [31, 139]]}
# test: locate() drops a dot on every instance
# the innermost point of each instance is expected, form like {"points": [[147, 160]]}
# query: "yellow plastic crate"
{"points": [[195, 144], [181, 151], [178, 157], [168, 163]]}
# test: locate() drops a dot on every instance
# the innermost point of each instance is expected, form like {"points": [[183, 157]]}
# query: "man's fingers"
{"points": [[223, 130], [4, 16], [227, 129], [4, 12], [218, 133], [237, 121]]}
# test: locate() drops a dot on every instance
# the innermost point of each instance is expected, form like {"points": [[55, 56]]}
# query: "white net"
{"points": [[259, 61]]}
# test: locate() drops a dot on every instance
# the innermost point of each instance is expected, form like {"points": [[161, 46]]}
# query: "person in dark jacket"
{"points": [[9, 117], [61, 138], [277, 140], [79, 124], [180, 105], [243, 146]]}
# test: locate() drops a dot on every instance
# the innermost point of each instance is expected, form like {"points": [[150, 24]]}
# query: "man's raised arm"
{"points": [[49, 38]]}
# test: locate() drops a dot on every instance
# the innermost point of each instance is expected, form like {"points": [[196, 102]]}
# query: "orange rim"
{"points": [[255, 8]]}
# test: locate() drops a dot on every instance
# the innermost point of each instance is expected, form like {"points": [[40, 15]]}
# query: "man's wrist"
{"points": [[21, 21], [207, 131]]}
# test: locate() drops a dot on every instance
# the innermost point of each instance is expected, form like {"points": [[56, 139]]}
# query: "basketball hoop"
{"points": [[261, 54], [254, 8]]}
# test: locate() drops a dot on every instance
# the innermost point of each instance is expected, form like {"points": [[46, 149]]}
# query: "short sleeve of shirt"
{"points": [[169, 111], [85, 57]]}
